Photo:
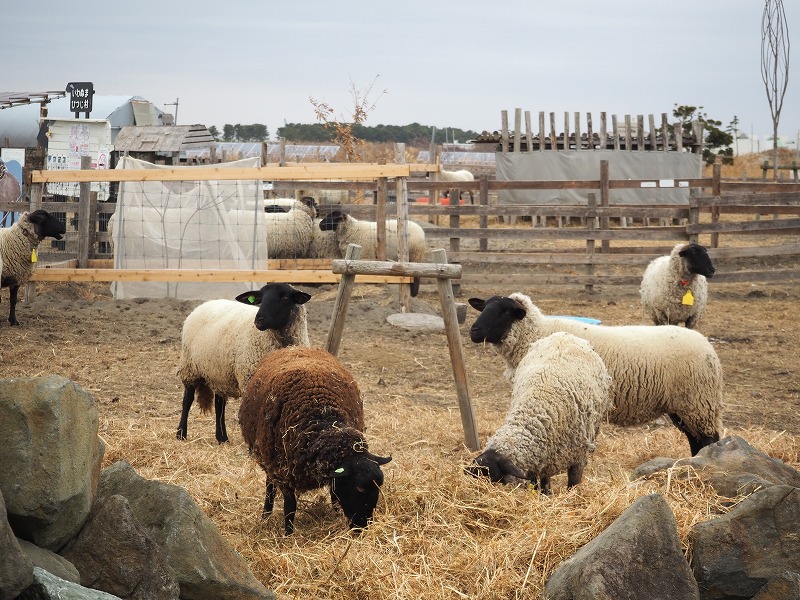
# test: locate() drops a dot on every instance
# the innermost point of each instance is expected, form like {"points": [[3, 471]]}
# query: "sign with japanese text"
{"points": [[80, 97]]}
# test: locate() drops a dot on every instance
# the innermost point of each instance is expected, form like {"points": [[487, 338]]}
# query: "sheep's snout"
{"points": [[477, 334]]}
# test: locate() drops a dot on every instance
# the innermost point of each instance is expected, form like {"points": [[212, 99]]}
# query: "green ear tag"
{"points": [[339, 471], [251, 299]]}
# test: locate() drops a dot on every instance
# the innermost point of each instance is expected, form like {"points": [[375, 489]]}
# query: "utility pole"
{"points": [[175, 104]]}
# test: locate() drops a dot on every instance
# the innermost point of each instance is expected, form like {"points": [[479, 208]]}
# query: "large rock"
{"points": [[731, 466], [51, 455], [113, 553], [785, 586], [50, 562], [637, 556], [206, 566], [47, 586], [735, 555], [16, 569]]}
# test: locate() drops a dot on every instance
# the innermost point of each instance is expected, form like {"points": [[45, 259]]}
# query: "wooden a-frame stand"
{"points": [[350, 266]]}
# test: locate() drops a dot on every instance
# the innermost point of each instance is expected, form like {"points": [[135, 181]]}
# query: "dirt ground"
{"points": [[126, 350], [125, 353]]}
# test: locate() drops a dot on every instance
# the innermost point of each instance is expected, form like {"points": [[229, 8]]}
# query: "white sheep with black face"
{"points": [[19, 246], [224, 340], [674, 288], [560, 395], [655, 370]]}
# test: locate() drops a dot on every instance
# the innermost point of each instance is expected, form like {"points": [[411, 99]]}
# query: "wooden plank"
{"points": [[517, 129], [628, 134], [651, 120], [541, 131], [340, 305], [573, 258], [640, 133], [455, 348], [504, 131], [553, 135], [675, 233], [615, 132], [531, 280], [374, 267], [578, 141], [566, 131], [201, 275], [296, 172], [783, 226], [603, 132], [85, 227], [528, 131], [664, 132]]}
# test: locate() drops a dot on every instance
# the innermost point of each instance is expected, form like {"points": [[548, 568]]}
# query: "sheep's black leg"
{"points": [[269, 499], [289, 509], [415, 286], [696, 442], [219, 413], [690, 322], [574, 475], [188, 398], [12, 313], [545, 485]]}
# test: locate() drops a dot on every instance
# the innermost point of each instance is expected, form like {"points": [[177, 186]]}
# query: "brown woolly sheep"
{"points": [[303, 421]]}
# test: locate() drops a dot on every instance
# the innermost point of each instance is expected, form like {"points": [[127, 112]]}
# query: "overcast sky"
{"points": [[440, 63]]}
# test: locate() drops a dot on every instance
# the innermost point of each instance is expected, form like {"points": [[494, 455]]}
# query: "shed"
{"points": [[166, 144], [20, 123]]}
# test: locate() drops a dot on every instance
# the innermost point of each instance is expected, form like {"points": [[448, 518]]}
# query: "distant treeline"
{"points": [[413, 135]]}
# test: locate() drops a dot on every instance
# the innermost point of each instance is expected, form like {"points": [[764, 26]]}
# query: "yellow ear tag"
{"points": [[688, 298], [33, 255]]}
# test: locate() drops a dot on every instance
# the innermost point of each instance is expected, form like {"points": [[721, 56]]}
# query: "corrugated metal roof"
{"points": [[167, 138], [9, 99]]}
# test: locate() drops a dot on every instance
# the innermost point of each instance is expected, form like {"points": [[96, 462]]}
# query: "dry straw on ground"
{"points": [[438, 533]]}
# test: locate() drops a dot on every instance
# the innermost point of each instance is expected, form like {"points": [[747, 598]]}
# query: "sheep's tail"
{"points": [[204, 396]]}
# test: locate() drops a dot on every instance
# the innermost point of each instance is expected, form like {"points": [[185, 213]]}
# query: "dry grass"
{"points": [[437, 532]]}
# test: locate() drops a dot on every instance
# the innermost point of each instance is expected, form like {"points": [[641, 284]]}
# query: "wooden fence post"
{"points": [[380, 220], [85, 224], [456, 355], [716, 190], [590, 219], [604, 189], [483, 220]]}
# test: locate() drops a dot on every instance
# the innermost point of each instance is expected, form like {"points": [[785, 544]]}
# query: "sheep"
{"points": [[223, 341], [655, 370], [560, 395], [350, 230], [302, 419], [18, 248], [323, 243], [306, 203], [289, 233], [461, 175], [674, 288]]}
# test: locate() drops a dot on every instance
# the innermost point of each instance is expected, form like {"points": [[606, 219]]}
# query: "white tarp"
{"points": [[585, 164], [188, 225]]}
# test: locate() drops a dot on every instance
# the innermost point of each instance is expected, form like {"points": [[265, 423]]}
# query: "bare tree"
{"points": [[774, 65]]}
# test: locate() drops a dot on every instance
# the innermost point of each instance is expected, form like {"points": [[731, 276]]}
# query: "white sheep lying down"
{"points": [[674, 288], [223, 342], [560, 395], [655, 370]]}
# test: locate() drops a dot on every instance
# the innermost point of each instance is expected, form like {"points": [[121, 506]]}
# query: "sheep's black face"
{"points": [[696, 260], [355, 485], [498, 314], [331, 221], [276, 304], [47, 225], [495, 466]]}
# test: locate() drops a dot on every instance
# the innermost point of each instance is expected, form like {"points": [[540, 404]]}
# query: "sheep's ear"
{"points": [[252, 298], [509, 468], [340, 472], [477, 303], [300, 297]]}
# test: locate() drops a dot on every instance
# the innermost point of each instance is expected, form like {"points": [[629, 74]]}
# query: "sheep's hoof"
{"points": [[180, 434]]}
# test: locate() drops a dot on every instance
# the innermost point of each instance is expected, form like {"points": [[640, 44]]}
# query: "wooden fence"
{"points": [[610, 245]]}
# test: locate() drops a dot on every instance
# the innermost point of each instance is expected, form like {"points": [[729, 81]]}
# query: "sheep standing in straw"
{"points": [[457, 176], [19, 245], [655, 370], [674, 288], [224, 340], [560, 394], [303, 421]]}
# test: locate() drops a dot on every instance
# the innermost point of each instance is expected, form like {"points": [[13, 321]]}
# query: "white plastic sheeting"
{"points": [[188, 225]]}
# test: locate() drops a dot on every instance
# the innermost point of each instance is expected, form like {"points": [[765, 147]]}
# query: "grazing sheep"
{"points": [[655, 370], [455, 176], [303, 421], [350, 230], [560, 394], [18, 247], [674, 288], [289, 233], [224, 340]]}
